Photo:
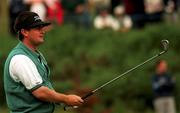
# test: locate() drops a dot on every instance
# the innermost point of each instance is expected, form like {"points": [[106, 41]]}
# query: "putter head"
{"points": [[165, 45]]}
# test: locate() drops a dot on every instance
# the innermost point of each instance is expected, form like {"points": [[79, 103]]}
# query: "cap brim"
{"points": [[40, 24]]}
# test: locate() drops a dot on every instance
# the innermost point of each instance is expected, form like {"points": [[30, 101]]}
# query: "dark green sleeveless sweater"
{"points": [[19, 99]]}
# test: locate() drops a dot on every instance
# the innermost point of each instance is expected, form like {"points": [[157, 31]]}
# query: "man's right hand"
{"points": [[45, 94], [73, 100]]}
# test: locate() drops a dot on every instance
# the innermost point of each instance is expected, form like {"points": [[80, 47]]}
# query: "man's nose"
{"points": [[42, 30]]}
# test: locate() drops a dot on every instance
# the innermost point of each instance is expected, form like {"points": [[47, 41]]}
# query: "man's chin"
{"points": [[40, 42]]}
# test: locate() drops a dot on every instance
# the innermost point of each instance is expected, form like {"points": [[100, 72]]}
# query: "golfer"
{"points": [[26, 73]]}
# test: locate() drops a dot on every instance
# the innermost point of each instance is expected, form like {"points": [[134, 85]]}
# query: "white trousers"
{"points": [[165, 105]]}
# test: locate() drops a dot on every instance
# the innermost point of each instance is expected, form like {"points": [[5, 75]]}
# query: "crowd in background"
{"points": [[118, 15]]}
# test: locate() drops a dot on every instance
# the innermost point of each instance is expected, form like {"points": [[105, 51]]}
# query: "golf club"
{"points": [[165, 46]]}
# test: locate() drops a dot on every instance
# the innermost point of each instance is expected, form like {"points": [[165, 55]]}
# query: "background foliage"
{"points": [[81, 60]]}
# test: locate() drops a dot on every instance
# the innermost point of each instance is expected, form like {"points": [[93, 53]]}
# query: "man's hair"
{"points": [[20, 36]]}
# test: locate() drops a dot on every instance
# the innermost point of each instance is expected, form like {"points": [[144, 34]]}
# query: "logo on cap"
{"points": [[36, 18]]}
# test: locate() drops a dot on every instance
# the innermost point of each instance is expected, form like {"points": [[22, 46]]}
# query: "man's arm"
{"points": [[45, 94], [22, 69]]}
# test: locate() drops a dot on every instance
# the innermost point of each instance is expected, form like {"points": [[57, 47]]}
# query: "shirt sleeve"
{"points": [[22, 69]]}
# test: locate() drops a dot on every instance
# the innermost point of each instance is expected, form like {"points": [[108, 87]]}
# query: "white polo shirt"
{"points": [[22, 69]]}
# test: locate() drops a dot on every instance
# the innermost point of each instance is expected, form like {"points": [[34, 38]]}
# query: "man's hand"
{"points": [[73, 100], [45, 94]]}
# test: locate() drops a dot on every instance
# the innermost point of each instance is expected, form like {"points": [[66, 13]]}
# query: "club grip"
{"points": [[84, 97], [87, 95]]}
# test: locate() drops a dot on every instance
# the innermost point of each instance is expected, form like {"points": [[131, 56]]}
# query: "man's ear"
{"points": [[24, 32]]}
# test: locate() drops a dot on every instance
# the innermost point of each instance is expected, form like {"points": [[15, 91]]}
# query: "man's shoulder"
{"points": [[15, 51]]}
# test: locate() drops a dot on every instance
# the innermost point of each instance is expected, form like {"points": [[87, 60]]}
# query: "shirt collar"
{"points": [[22, 45]]}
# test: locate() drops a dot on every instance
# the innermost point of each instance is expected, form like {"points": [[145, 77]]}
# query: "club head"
{"points": [[165, 45]]}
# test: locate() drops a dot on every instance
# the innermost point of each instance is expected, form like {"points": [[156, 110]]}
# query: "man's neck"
{"points": [[29, 45]]}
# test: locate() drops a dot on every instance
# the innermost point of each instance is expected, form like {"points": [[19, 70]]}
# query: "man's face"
{"points": [[36, 36]]}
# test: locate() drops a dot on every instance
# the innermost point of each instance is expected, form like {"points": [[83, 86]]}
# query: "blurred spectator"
{"points": [[163, 85], [14, 8], [38, 7], [125, 22], [172, 4], [47, 9], [114, 4], [105, 20], [171, 9], [98, 4], [101, 3], [154, 10], [76, 12], [135, 9], [55, 12]]}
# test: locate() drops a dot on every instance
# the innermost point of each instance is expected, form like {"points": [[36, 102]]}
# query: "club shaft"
{"points": [[128, 71], [116, 78]]}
